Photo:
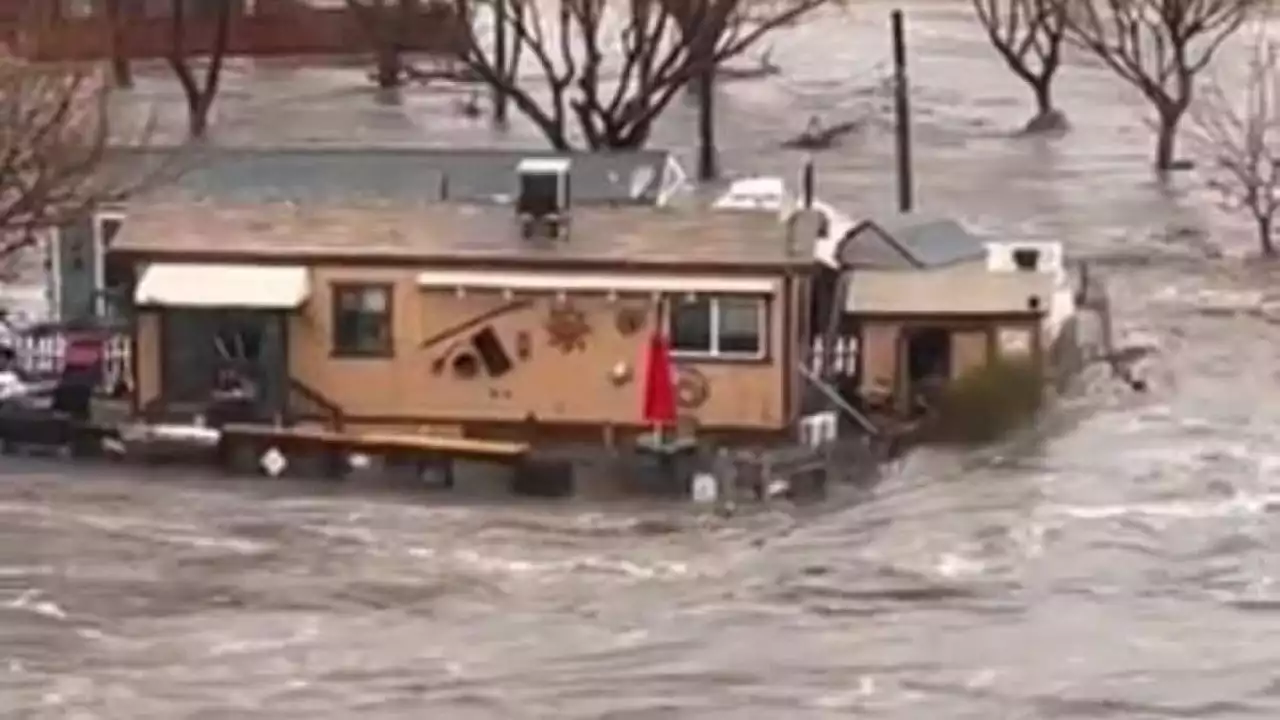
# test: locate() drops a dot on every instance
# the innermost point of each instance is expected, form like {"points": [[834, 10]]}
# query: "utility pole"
{"points": [[500, 60], [706, 88], [902, 112]]}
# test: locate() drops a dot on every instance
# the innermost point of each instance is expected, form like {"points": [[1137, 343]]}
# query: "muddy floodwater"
{"points": [[1117, 564]]}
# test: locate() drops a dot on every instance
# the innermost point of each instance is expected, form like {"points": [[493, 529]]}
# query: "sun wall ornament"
{"points": [[567, 328]]}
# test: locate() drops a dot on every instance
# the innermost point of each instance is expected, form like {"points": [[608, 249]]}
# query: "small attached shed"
{"points": [[920, 306]]}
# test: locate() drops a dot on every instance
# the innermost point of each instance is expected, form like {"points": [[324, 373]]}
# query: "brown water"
{"points": [[1117, 565]]}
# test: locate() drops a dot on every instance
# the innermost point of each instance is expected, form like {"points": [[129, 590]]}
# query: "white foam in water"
{"points": [[953, 565], [1242, 504], [45, 608]]}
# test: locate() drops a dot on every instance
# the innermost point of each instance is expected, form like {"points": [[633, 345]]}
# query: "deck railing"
{"points": [[42, 356], [309, 403], [839, 360]]}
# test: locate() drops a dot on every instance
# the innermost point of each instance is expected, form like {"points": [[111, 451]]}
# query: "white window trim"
{"points": [[101, 218], [762, 327]]}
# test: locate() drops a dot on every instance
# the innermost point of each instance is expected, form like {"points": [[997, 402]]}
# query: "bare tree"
{"points": [[200, 93], [1028, 35], [54, 167], [611, 68], [1241, 138], [1158, 47]]}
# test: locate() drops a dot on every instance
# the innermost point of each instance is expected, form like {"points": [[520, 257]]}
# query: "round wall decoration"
{"points": [[630, 319], [692, 388], [568, 328], [620, 374], [465, 366]]}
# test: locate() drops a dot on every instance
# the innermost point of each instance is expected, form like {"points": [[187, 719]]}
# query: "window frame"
{"points": [[100, 249], [337, 292], [714, 353]]}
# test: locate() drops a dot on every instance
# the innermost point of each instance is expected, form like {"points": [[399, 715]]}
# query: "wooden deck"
{"points": [[448, 447]]}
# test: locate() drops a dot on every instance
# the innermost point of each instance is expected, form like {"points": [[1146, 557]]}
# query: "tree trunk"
{"points": [[1265, 243], [1043, 89], [121, 71], [1167, 138], [198, 118], [389, 71]]}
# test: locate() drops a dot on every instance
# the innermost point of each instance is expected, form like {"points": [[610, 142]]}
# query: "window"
{"points": [[727, 327], [362, 320]]}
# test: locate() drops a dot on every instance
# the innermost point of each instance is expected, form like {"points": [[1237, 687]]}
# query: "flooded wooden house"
{"points": [[492, 303], [457, 320], [522, 324]]}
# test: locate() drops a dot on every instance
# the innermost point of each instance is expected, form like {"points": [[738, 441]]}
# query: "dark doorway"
{"points": [[928, 364], [201, 348]]}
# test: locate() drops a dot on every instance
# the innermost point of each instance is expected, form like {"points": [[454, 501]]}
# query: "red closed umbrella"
{"points": [[659, 388]]}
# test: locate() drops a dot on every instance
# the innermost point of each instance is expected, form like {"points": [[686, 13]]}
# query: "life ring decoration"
{"points": [[692, 388]]}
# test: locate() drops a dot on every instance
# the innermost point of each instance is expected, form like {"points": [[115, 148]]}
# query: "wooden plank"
{"points": [[445, 445], [387, 441], [474, 322], [268, 432]]}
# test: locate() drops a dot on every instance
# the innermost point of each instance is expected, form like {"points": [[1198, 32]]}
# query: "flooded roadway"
{"points": [[1117, 564]]}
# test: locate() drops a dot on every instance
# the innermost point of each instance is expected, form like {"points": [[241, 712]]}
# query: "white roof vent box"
{"points": [[542, 195], [1025, 256]]}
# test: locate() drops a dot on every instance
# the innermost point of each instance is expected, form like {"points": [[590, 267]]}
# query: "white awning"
{"points": [[969, 289], [612, 283], [197, 285]]}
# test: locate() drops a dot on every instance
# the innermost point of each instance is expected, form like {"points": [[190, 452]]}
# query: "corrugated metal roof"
{"points": [[935, 243], [398, 176], [910, 240]]}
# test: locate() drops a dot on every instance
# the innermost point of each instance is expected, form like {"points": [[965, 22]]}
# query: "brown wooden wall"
{"points": [[974, 341], [417, 386]]}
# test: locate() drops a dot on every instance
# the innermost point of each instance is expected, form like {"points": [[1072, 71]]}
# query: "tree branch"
{"points": [[1158, 47], [54, 164], [611, 68], [1240, 140]]}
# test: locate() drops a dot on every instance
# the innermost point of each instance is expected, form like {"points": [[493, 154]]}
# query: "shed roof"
{"points": [[906, 240], [397, 175], [457, 234]]}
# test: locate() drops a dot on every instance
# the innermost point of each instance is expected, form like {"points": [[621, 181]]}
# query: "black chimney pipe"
{"points": [[807, 180]]}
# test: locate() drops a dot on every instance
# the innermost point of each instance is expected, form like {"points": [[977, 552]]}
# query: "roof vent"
{"points": [[542, 197]]}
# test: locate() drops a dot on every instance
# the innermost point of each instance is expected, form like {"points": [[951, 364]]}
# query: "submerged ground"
{"points": [[1120, 566]]}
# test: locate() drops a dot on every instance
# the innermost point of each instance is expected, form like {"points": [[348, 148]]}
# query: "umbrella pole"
{"points": [[659, 429]]}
